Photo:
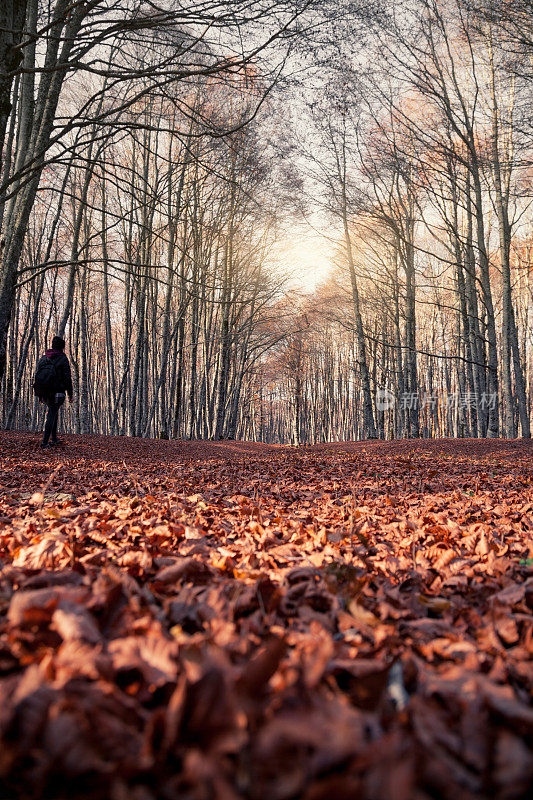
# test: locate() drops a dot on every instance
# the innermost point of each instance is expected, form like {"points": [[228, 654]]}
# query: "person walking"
{"points": [[52, 383]]}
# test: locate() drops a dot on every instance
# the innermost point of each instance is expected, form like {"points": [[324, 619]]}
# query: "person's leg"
{"points": [[53, 438], [60, 400], [51, 421]]}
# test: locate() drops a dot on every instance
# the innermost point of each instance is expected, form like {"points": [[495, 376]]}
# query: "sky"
{"points": [[308, 257]]}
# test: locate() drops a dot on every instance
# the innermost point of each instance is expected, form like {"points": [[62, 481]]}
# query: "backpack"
{"points": [[45, 381]]}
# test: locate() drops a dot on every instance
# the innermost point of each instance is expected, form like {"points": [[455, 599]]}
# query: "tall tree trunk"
{"points": [[12, 19], [510, 348], [63, 29], [369, 425], [484, 269]]}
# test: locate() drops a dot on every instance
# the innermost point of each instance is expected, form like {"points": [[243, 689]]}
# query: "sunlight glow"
{"points": [[308, 258]]}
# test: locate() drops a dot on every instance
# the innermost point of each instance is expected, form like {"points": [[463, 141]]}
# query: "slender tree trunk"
{"points": [[54, 68], [12, 19]]}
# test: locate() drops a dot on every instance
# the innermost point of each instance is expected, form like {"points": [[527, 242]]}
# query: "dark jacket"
{"points": [[62, 368]]}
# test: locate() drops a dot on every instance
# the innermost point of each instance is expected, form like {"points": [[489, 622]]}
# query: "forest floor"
{"points": [[214, 621]]}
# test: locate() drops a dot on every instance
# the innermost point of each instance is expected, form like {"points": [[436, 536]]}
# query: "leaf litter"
{"points": [[227, 620]]}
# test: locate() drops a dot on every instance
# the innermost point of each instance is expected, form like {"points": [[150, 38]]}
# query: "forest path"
{"points": [[231, 620], [118, 448], [89, 457]]}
